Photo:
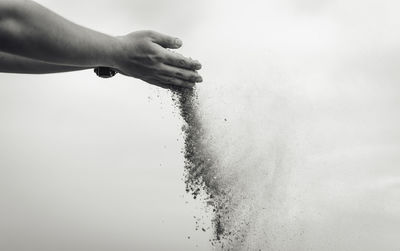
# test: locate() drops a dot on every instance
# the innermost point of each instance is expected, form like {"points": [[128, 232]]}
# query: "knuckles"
{"points": [[179, 74], [140, 57], [151, 60], [181, 62], [148, 33], [156, 58]]}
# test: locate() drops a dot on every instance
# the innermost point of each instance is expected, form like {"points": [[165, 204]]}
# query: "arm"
{"points": [[17, 64], [29, 30]]}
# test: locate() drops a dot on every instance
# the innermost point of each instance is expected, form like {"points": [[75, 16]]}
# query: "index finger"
{"points": [[175, 59]]}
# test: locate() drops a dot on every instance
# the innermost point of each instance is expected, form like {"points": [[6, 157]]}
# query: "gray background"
{"points": [[93, 164]]}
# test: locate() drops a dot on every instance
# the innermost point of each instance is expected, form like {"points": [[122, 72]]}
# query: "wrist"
{"points": [[106, 51], [112, 52]]}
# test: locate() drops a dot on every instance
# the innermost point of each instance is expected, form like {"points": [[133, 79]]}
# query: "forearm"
{"points": [[31, 31], [27, 29], [17, 64]]}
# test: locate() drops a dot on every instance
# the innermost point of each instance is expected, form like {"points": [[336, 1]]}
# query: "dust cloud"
{"points": [[294, 136]]}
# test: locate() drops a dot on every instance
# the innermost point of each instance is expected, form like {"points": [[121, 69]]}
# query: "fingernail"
{"points": [[178, 42], [199, 79], [198, 65]]}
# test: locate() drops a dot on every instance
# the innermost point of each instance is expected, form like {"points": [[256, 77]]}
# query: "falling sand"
{"points": [[294, 137], [224, 182], [200, 172]]}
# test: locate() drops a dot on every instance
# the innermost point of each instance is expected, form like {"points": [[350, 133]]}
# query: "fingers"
{"points": [[183, 74], [159, 66], [175, 59], [170, 57], [157, 83], [164, 81], [165, 40]]}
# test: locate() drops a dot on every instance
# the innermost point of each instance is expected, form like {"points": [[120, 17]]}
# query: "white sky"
{"points": [[93, 164]]}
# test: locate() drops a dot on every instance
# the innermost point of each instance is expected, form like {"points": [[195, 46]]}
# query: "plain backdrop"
{"points": [[94, 164]]}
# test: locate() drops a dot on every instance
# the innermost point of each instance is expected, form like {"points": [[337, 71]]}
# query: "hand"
{"points": [[144, 55]]}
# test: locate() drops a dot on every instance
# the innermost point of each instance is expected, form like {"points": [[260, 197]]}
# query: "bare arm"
{"points": [[29, 30], [17, 64]]}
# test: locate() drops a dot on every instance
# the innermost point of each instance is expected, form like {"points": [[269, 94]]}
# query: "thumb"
{"points": [[166, 41]]}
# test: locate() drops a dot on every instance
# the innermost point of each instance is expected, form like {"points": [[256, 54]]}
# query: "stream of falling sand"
{"points": [[203, 178], [295, 142]]}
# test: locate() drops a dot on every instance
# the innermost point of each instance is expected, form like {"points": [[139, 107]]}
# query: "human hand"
{"points": [[145, 55]]}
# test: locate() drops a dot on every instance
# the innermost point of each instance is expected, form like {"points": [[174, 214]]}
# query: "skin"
{"points": [[35, 40]]}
